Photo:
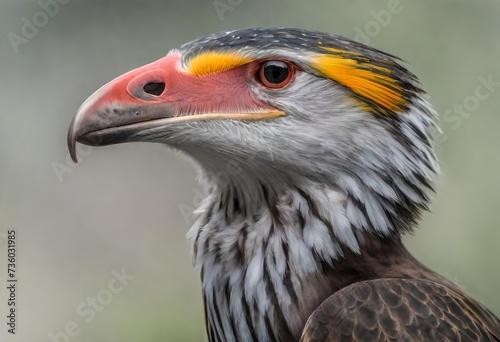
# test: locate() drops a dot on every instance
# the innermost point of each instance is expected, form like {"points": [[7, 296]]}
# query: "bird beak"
{"points": [[120, 108], [160, 94]]}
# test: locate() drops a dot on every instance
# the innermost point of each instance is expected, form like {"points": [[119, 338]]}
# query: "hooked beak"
{"points": [[160, 94]]}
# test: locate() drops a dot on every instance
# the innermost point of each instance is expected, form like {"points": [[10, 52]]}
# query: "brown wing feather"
{"points": [[400, 310]]}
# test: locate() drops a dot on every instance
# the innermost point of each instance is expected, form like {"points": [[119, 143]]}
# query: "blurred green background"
{"points": [[127, 206]]}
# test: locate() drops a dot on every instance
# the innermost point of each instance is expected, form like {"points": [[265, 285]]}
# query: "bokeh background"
{"points": [[127, 207]]}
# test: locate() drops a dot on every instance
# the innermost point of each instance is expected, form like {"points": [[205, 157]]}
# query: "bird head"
{"points": [[285, 108]]}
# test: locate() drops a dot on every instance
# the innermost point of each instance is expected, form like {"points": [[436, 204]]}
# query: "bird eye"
{"points": [[275, 74]]}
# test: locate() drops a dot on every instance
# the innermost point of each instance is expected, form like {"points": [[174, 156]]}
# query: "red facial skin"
{"points": [[220, 92], [123, 102]]}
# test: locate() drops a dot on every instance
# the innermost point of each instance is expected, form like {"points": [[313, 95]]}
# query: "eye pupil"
{"points": [[275, 72]]}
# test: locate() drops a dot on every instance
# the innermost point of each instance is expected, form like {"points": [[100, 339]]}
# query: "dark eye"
{"points": [[154, 88], [275, 74]]}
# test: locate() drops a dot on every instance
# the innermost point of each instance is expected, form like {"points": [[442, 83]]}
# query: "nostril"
{"points": [[154, 88]]}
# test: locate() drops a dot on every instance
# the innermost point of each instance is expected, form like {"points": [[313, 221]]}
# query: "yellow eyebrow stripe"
{"points": [[364, 78], [212, 62]]}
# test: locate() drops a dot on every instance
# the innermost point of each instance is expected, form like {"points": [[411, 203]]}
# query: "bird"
{"points": [[317, 156]]}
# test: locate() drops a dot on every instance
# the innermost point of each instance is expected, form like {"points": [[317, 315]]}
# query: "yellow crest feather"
{"points": [[212, 62], [371, 82]]}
